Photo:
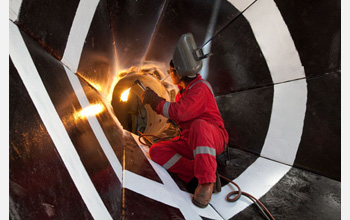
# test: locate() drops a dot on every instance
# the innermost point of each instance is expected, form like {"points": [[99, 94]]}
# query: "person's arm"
{"points": [[151, 98], [188, 107]]}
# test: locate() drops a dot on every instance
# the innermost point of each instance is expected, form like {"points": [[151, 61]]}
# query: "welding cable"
{"points": [[225, 26], [238, 194], [150, 143]]}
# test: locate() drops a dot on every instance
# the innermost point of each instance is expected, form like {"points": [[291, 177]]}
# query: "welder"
{"points": [[203, 134]]}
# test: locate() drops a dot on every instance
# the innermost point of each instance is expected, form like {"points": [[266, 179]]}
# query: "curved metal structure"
{"points": [[275, 72]]}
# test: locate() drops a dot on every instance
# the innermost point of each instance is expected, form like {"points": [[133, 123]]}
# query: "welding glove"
{"points": [[151, 98]]}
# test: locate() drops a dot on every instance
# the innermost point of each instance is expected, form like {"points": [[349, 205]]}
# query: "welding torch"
{"points": [[140, 84]]}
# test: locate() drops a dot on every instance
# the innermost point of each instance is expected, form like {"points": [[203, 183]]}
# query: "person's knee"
{"points": [[199, 123], [199, 126], [155, 151]]}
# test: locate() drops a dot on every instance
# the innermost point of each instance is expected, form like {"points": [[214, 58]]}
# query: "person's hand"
{"points": [[147, 96], [151, 98]]}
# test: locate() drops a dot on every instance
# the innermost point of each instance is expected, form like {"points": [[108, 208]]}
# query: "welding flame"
{"points": [[90, 111], [125, 95]]}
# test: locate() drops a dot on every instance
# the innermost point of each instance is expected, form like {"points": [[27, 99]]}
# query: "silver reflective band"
{"points": [[204, 150], [206, 83], [172, 161], [166, 109]]}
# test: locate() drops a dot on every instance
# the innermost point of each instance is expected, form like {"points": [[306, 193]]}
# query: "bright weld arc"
{"points": [[125, 95]]}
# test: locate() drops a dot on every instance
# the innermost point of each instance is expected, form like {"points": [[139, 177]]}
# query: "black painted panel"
{"points": [[300, 195], [40, 185], [97, 61], [83, 138], [237, 63], [48, 22], [315, 29], [320, 146], [247, 116], [136, 162], [184, 16], [178, 17], [133, 23], [233, 163], [138, 207]]}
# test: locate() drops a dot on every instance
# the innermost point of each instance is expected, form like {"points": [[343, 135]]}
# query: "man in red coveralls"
{"points": [[203, 135]]}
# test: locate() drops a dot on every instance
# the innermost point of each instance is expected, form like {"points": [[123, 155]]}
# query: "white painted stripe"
{"points": [[268, 26], [210, 32], [36, 89], [148, 188], [80, 27], [258, 179], [286, 123], [241, 5], [289, 101], [284, 64], [95, 125], [182, 199], [172, 161], [14, 9], [275, 41]]}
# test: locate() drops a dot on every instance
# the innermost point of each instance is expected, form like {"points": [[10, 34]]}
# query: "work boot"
{"points": [[202, 195]]}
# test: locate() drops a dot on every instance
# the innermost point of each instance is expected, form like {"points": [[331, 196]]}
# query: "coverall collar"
{"points": [[199, 77]]}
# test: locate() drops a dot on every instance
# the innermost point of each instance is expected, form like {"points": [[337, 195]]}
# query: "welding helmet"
{"points": [[187, 61]]}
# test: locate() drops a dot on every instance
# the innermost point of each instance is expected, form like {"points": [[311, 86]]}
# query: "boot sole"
{"points": [[200, 205]]}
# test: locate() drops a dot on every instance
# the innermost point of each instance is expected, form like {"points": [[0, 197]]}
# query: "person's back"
{"points": [[201, 104]]}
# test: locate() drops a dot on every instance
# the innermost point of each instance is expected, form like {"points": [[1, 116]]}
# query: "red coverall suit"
{"points": [[203, 134]]}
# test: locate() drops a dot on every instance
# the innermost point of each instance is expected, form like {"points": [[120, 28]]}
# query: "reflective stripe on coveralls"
{"points": [[204, 150], [172, 161], [196, 112], [205, 82], [167, 104], [166, 109]]}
